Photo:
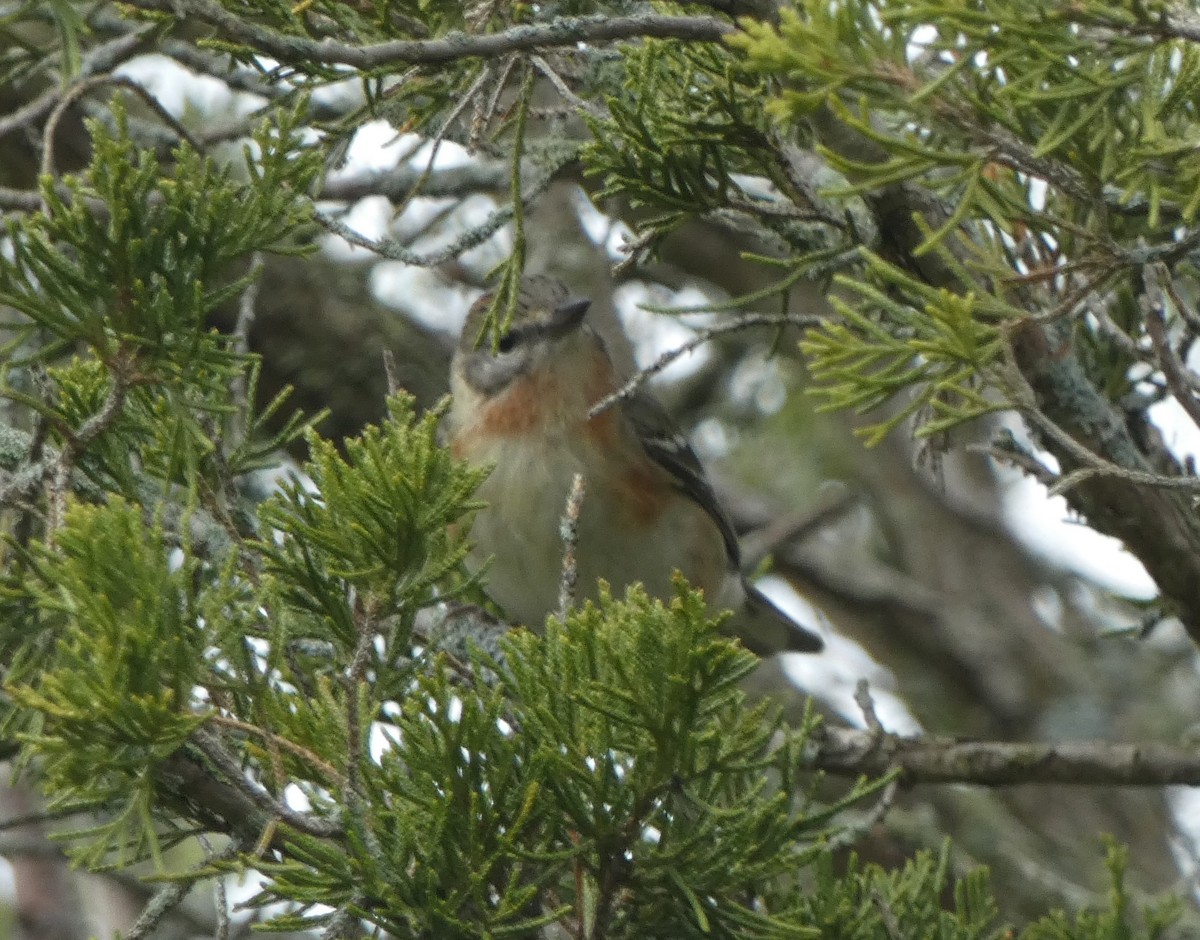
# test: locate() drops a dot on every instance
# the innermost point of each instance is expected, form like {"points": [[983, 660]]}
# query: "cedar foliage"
{"points": [[162, 620]]}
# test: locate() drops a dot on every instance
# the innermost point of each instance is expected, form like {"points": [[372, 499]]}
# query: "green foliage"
{"points": [[665, 775], [361, 23], [123, 265], [606, 778], [1116, 921], [129, 261], [686, 129], [341, 571], [70, 25], [115, 697], [611, 775], [866, 902], [374, 538], [699, 118], [104, 632], [820, 49], [125, 644], [1081, 85], [1052, 138], [904, 339], [179, 432], [686, 119], [510, 271]]}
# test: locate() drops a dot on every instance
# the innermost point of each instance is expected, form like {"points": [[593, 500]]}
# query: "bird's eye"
{"points": [[507, 342]]}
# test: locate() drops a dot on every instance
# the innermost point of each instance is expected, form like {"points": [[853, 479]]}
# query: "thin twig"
{"points": [[483, 115], [246, 308], [475, 128], [568, 530], [100, 60], [437, 140], [353, 793], [856, 829], [283, 744], [391, 372], [744, 322], [1080, 298], [1093, 465], [219, 899], [162, 903], [78, 90], [634, 249], [1185, 310], [862, 698], [853, 752], [887, 915], [1110, 329], [394, 251], [563, 89], [356, 676], [239, 385], [1096, 466], [1180, 380], [1019, 459], [171, 894]]}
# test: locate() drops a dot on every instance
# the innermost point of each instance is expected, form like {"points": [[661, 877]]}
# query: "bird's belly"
{"points": [[526, 496]]}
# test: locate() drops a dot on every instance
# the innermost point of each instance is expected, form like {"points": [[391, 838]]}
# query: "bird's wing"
{"points": [[765, 629], [665, 444]]}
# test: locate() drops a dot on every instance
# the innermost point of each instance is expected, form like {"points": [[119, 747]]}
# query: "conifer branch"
{"points": [[78, 441], [932, 759], [396, 183], [1142, 498], [565, 31], [732, 325], [282, 743], [214, 752]]}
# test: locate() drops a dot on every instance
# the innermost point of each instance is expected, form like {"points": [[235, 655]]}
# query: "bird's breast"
{"points": [[635, 524]]}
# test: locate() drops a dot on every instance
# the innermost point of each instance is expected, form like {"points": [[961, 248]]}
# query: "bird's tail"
{"points": [[765, 630]]}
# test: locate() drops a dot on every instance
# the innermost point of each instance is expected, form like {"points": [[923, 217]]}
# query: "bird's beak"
{"points": [[567, 317]]}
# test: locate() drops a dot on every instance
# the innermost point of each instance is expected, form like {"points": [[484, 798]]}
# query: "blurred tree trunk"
{"points": [[47, 902]]}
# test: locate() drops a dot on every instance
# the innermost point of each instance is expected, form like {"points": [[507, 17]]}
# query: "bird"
{"points": [[522, 405]]}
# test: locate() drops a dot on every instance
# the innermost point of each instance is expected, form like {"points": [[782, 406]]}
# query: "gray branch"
{"points": [[566, 31], [399, 182], [849, 752]]}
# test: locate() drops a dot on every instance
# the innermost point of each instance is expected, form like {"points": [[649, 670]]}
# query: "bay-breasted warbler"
{"points": [[523, 406]]}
